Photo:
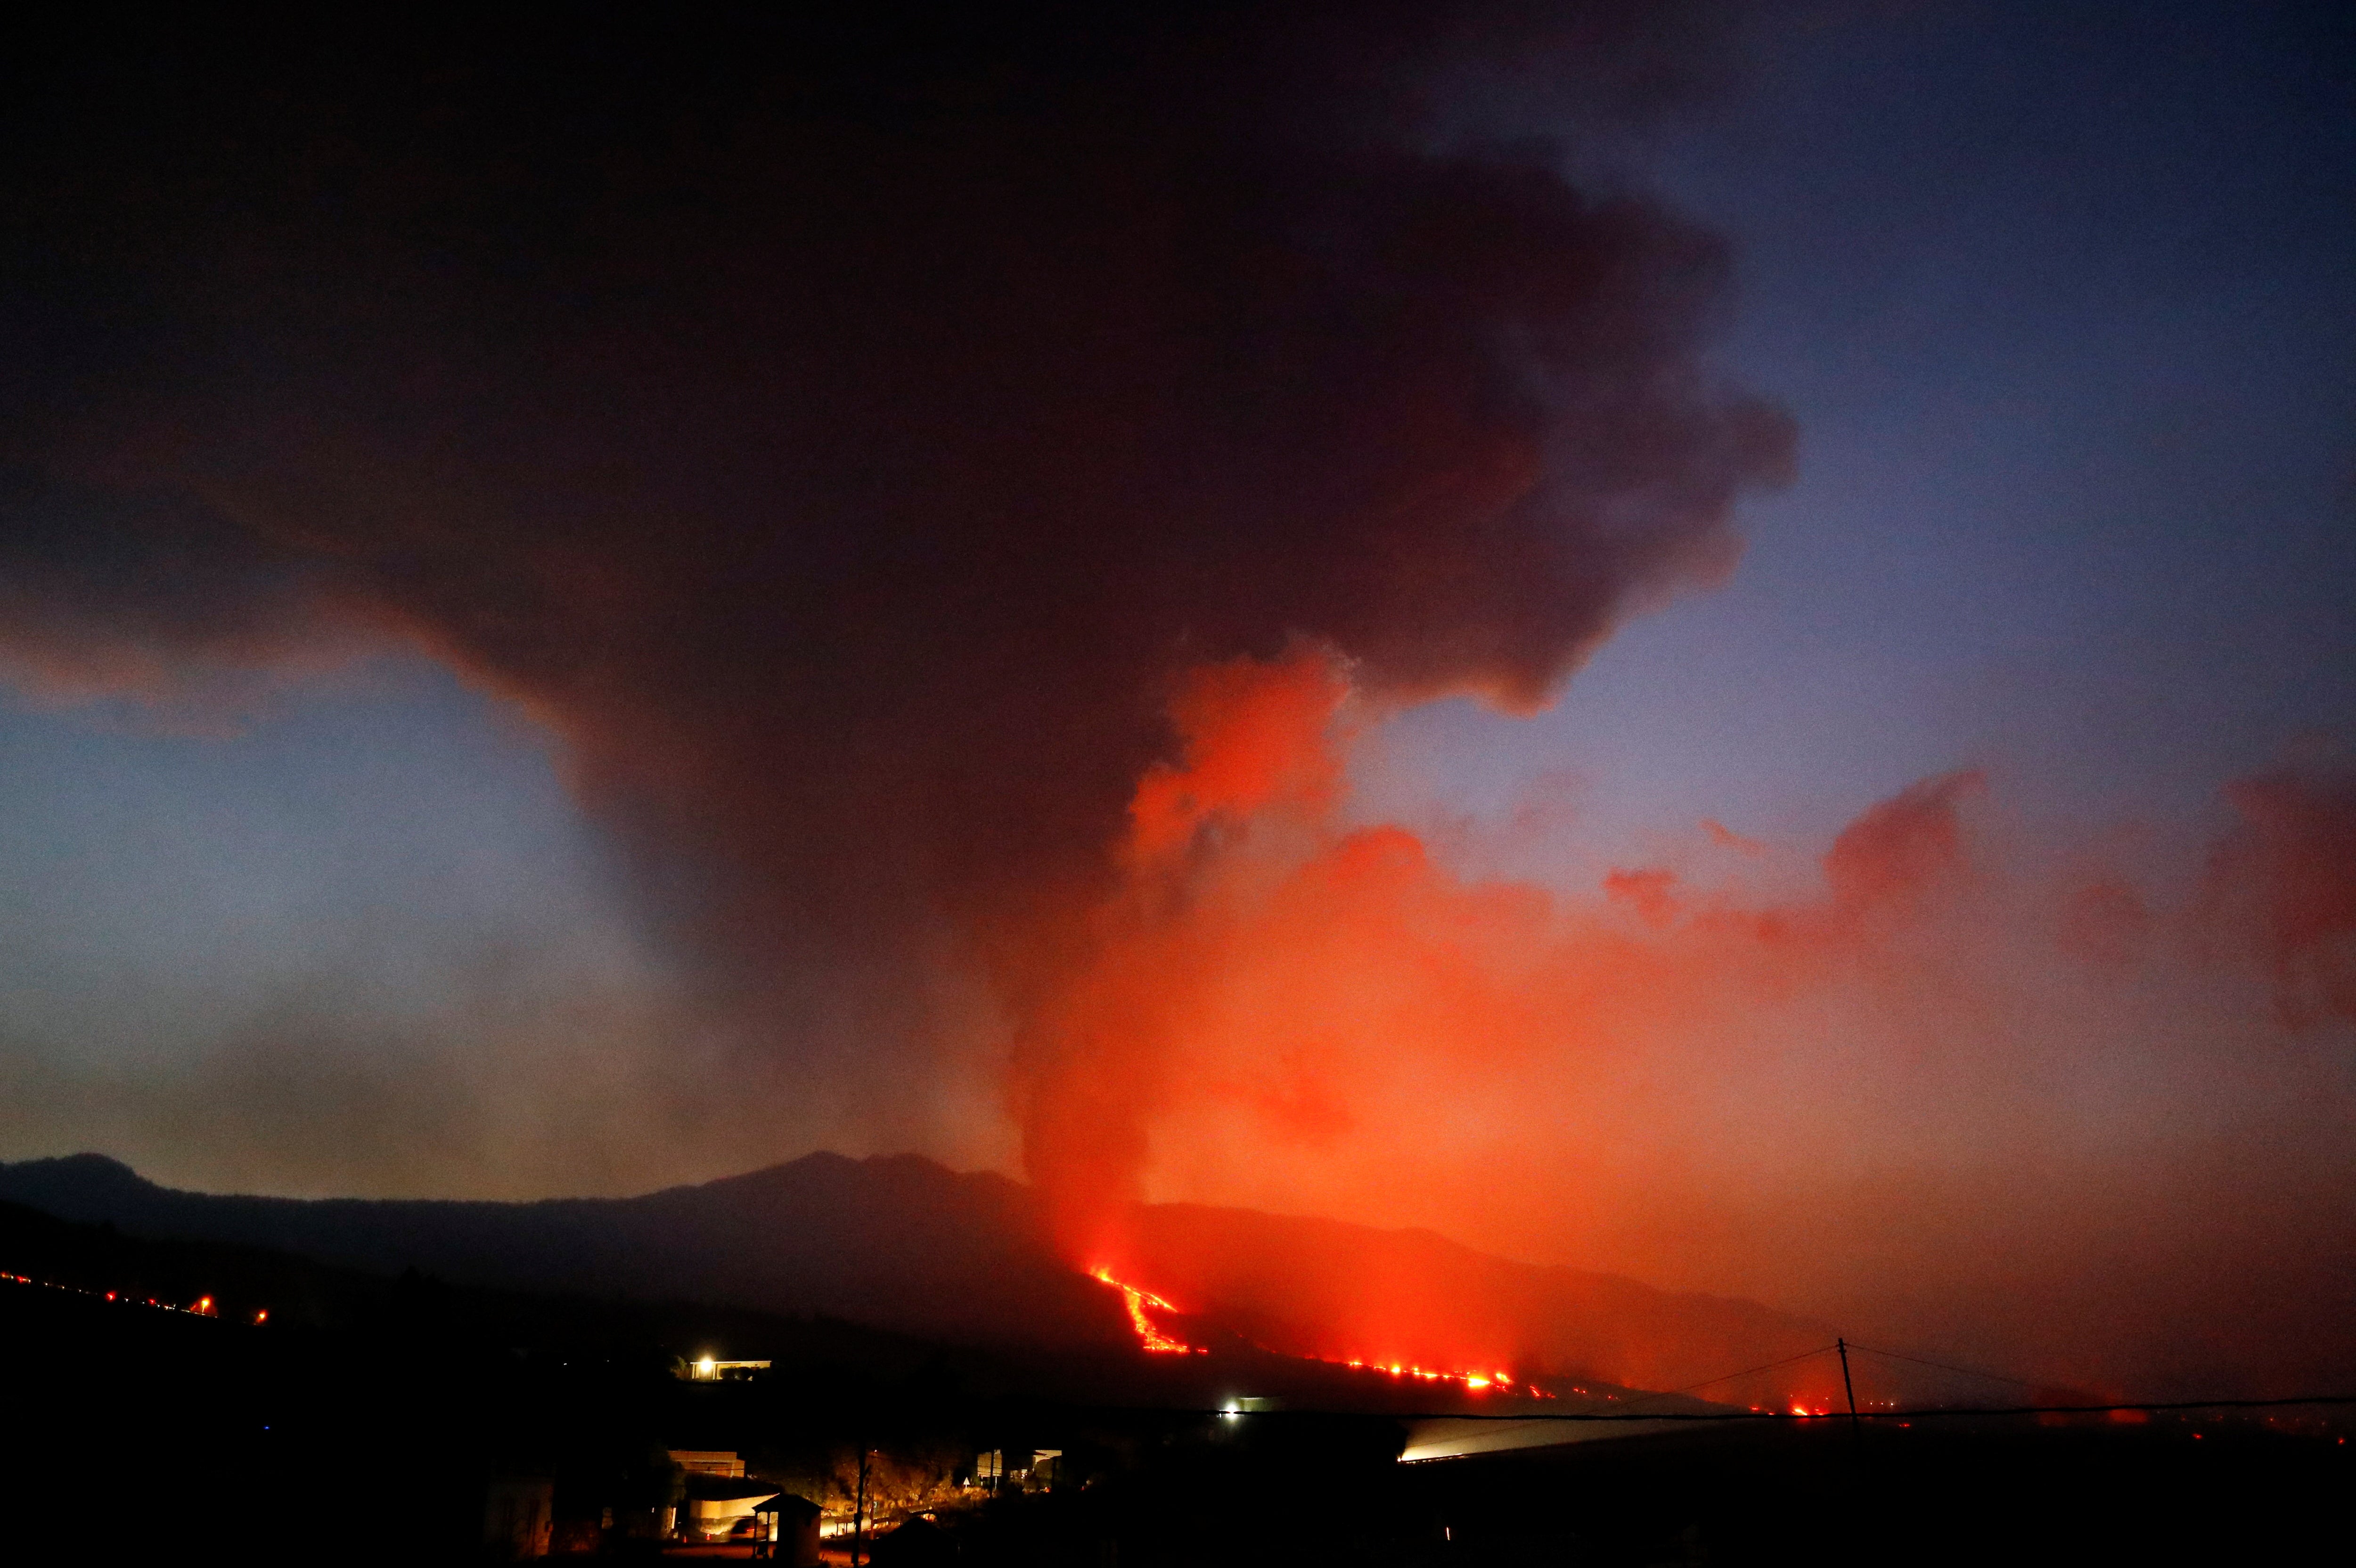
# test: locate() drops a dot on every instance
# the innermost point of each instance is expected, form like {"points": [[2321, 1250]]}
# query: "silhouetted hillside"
{"points": [[368, 1424], [1323, 1288], [363, 1420], [250, 1286], [899, 1243], [903, 1244]]}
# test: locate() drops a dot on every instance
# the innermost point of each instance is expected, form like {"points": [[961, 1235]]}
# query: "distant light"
{"points": [[706, 1367]]}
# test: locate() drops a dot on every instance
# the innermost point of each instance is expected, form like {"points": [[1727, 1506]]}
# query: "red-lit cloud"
{"points": [[1953, 1096], [2284, 885]]}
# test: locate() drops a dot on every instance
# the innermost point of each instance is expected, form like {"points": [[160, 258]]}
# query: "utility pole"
{"points": [[859, 1511], [1856, 1431]]}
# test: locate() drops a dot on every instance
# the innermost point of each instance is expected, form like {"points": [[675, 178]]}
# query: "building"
{"points": [[788, 1530], [1016, 1469], [710, 1370], [714, 1508], [717, 1500]]}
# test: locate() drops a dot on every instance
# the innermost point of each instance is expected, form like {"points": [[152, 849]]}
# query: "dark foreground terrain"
{"points": [[365, 1421], [1944, 1492]]}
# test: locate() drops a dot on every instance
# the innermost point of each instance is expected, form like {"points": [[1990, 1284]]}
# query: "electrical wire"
{"points": [[1830, 1418], [1730, 1377], [1945, 1367]]}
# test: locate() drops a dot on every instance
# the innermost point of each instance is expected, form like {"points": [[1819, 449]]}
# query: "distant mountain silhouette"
{"points": [[897, 1243], [374, 1314], [903, 1244]]}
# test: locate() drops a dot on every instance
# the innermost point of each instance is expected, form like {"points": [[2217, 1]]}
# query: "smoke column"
{"points": [[845, 435]]}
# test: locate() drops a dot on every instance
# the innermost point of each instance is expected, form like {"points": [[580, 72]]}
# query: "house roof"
{"points": [[727, 1488], [788, 1503]]}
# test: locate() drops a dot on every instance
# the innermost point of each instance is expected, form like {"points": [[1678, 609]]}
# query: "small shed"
{"points": [[788, 1530]]}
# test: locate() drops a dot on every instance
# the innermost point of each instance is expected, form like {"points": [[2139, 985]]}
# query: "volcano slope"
{"points": [[902, 1244]]}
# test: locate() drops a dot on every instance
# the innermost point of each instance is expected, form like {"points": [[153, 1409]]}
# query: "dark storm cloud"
{"points": [[844, 432]]}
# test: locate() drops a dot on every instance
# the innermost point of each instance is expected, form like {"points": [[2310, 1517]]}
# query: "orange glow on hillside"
{"points": [[1151, 1337], [1149, 1333], [1477, 1382]]}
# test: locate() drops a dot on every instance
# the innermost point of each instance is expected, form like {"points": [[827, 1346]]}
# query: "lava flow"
{"points": [[1151, 1337], [1148, 1332], [1476, 1381]]}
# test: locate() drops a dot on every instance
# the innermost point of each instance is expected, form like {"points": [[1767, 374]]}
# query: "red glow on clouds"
{"points": [[1257, 738], [1690, 1078]]}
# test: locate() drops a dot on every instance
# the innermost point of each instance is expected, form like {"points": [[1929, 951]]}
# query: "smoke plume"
{"points": [[846, 434]]}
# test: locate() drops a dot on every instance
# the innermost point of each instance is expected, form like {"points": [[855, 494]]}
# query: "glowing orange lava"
{"points": [[1150, 1336], [1148, 1332], [1470, 1379]]}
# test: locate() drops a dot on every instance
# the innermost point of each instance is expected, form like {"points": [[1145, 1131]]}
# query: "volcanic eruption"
{"points": [[964, 490]]}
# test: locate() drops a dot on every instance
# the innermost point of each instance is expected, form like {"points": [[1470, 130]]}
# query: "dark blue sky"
{"points": [[2064, 300]]}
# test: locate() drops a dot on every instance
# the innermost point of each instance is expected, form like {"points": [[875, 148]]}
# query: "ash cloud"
{"points": [[845, 433]]}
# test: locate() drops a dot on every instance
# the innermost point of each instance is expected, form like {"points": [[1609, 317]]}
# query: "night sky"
{"points": [[1716, 645]]}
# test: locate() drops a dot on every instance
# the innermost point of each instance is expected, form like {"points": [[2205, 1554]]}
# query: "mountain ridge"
{"points": [[903, 1242]]}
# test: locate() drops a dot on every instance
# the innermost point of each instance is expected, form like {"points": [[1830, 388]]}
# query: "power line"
{"points": [[1730, 1377], [1945, 1367], [2108, 1408], [1923, 1413]]}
